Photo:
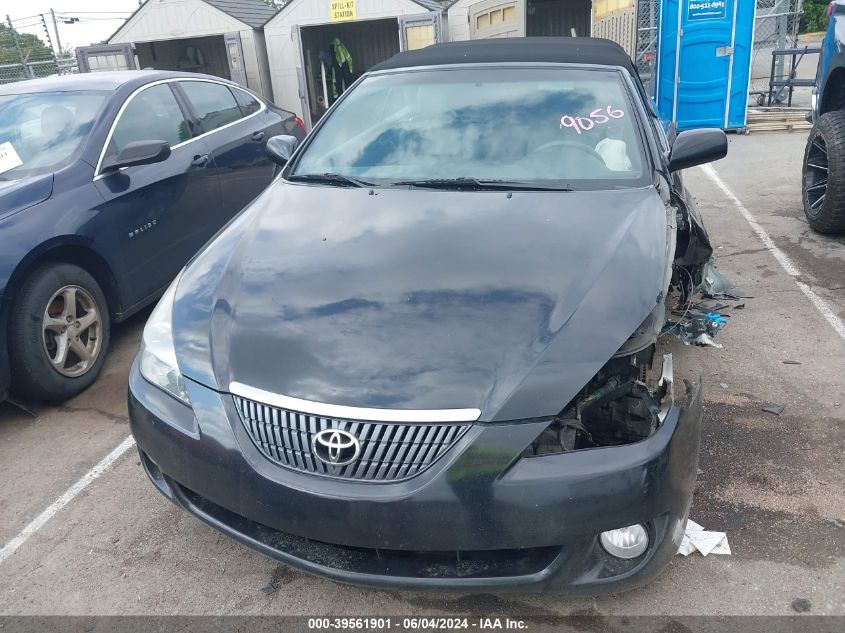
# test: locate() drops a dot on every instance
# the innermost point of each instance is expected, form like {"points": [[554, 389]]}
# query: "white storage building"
{"points": [[481, 19], [216, 37], [371, 30]]}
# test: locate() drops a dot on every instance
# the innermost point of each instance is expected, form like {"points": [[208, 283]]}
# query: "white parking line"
{"points": [[781, 257], [38, 522]]}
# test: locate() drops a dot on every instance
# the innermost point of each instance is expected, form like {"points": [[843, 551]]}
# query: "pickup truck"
{"points": [[823, 184]]}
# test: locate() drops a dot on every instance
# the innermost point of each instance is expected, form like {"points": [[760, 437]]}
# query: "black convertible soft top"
{"points": [[570, 50]]}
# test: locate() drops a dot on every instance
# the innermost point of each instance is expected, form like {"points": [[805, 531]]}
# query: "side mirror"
{"points": [[696, 147], [138, 153], [280, 148]]}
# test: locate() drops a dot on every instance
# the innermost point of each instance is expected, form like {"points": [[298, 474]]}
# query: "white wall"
{"points": [[282, 51], [459, 20], [170, 19], [251, 63], [621, 27], [161, 20], [263, 64]]}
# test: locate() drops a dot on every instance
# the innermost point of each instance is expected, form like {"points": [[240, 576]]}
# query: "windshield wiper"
{"points": [[475, 183], [330, 179]]}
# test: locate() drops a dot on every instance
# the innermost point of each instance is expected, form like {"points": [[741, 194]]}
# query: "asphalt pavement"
{"points": [[774, 483]]}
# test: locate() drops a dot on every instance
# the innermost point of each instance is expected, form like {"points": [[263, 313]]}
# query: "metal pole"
{"points": [[782, 22], [56, 29], [679, 34], [47, 35], [731, 66], [26, 69]]}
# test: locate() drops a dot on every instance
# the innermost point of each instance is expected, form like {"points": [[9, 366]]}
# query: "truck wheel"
{"points": [[59, 333], [823, 188]]}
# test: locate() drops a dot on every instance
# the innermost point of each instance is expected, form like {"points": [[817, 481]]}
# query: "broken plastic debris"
{"points": [[697, 539], [704, 340], [714, 282], [698, 325], [777, 409]]}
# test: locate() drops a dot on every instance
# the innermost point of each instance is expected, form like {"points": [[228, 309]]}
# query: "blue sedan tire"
{"points": [[59, 333]]}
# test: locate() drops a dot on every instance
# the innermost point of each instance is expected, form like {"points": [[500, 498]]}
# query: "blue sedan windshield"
{"points": [[41, 132], [565, 127]]}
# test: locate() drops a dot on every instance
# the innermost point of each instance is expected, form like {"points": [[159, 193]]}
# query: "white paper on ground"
{"points": [[696, 538], [9, 158]]}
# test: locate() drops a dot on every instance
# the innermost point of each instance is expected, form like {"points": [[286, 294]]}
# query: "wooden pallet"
{"points": [[777, 120]]}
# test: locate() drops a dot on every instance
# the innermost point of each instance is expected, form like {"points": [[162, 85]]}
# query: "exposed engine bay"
{"points": [[625, 402], [629, 398]]}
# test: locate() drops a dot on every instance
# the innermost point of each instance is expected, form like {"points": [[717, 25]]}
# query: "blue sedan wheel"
{"points": [[61, 324], [71, 329]]}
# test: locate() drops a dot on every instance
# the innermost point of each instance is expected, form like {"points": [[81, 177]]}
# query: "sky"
{"points": [[97, 18]]}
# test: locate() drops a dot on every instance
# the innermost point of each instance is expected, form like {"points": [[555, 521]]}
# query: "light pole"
{"points": [[56, 29]]}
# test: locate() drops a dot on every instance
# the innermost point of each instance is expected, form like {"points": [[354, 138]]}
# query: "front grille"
{"points": [[388, 451]]}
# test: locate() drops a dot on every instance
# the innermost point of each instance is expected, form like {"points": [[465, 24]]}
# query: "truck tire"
{"points": [[59, 333], [823, 189]]}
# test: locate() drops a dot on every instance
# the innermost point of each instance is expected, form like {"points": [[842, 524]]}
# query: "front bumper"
{"points": [[480, 518]]}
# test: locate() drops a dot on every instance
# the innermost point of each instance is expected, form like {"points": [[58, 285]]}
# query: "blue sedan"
{"points": [[109, 183]]}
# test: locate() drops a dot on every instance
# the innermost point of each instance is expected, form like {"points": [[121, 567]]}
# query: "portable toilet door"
{"points": [[704, 62]]}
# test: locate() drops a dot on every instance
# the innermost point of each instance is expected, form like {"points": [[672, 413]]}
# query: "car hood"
{"points": [[21, 193], [420, 299]]}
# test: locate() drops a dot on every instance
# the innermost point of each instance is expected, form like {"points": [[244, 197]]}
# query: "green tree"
{"points": [[815, 16], [33, 49]]}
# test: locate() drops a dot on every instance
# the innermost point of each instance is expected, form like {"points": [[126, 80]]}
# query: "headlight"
{"points": [[158, 356]]}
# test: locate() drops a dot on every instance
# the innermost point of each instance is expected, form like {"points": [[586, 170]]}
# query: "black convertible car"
{"points": [[426, 355]]}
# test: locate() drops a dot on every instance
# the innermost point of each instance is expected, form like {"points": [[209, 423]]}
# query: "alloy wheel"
{"points": [[815, 175], [72, 331]]}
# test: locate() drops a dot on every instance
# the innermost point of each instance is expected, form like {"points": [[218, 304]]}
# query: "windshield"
{"points": [[560, 127], [41, 132]]}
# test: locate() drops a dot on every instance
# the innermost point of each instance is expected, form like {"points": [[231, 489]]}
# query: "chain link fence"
{"points": [[27, 56], [32, 70], [648, 16], [775, 27]]}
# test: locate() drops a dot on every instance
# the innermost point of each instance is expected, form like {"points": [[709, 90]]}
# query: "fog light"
{"points": [[627, 542]]}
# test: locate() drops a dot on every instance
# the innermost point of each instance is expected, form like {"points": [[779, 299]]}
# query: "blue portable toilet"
{"points": [[704, 62]]}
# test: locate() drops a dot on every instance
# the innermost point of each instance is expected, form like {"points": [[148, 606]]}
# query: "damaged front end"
{"points": [[624, 403], [697, 289], [629, 398]]}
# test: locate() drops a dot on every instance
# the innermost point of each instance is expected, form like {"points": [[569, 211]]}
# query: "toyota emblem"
{"points": [[336, 447]]}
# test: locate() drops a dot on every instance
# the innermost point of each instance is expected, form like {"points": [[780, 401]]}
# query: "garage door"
{"points": [[497, 18]]}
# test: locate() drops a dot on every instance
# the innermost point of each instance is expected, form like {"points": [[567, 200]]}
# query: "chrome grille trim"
{"points": [[339, 411], [389, 451]]}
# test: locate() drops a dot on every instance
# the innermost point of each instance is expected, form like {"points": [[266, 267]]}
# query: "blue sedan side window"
{"points": [[214, 104], [153, 114]]}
